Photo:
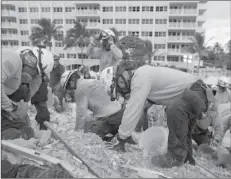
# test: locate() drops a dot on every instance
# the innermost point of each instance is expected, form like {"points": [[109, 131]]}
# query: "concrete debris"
{"points": [[107, 163]]}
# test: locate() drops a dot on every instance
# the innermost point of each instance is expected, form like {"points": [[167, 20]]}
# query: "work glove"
{"points": [[110, 40], [21, 110], [215, 143], [119, 144]]}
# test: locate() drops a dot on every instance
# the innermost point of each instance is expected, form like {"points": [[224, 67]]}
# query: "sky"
{"points": [[218, 22]]}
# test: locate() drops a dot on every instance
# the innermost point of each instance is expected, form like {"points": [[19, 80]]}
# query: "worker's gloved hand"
{"points": [[119, 145], [21, 110], [215, 143]]}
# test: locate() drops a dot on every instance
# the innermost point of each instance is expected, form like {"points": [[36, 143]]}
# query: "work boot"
{"points": [[120, 145], [165, 161]]}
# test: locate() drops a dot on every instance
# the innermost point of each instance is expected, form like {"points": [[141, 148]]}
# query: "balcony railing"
{"points": [[178, 38], [183, 12], [182, 25], [87, 12]]}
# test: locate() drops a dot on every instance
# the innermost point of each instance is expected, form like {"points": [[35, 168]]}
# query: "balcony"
{"points": [[180, 39], [9, 13], [10, 25], [93, 25], [88, 13], [183, 12], [9, 36], [181, 25]]}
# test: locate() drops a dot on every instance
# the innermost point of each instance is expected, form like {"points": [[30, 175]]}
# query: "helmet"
{"points": [[106, 33], [47, 59], [66, 77], [93, 74], [223, 82]]}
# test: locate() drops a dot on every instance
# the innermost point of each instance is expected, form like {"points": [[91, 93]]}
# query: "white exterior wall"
{"points": [[167, 28]]}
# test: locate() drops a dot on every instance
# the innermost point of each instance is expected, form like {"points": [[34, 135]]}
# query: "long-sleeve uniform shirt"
{"points": [[225, 112], [158, 84], [11, 78], [107, 58], [90, 95]]}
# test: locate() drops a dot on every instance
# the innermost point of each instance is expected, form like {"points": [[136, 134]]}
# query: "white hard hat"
{"points": [[93, 74], [65, 78], [47, 58], [107, 32], [223, 81], [106, 77]]}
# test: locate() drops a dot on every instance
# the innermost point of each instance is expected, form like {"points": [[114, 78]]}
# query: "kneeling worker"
{"points": [[90, 95]]}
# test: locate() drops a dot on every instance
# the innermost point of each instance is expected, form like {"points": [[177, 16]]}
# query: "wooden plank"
{"points": [[36, 155], [61, 139]]}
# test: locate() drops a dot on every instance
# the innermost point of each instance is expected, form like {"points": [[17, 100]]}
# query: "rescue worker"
{"points": [[23, 76], [185, 96], [109, 54], [223, 94], [55, 77], [89, 95]]}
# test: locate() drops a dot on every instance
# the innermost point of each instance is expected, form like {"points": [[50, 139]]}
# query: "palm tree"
{"points": [[44, 32], [199, 46], [77, 36]]}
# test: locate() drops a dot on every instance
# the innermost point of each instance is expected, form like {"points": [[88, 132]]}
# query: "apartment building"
{"points": [[167, 24]]}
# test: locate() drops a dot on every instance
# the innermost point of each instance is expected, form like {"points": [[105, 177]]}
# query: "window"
{"points": [[161, 8], [120, 21], [58, 44], [133, 21], [160, 34], [62, 55], [58, 21], [134, 9], [121, 9], [71, 55], [23, 21], [24, 32], [147, 8], [8, 19], [8, 8], [82, 56], [159, 46], [107, 21], [68, 9], [46, 9], [9, 31], [25, 44], [34, 9], [161, 21], [147, 21], [122, 33], [22, 9], [108, 9], [34, 21], [159, 58], [57, 9], [133, 33], [146, 33], [70, 21], [4, 43]]}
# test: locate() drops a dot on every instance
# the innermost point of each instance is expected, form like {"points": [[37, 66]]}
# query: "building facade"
{"points": [[167, 24]]}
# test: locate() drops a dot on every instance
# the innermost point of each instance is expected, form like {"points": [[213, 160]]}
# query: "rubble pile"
{"points": [[107, 163]]}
